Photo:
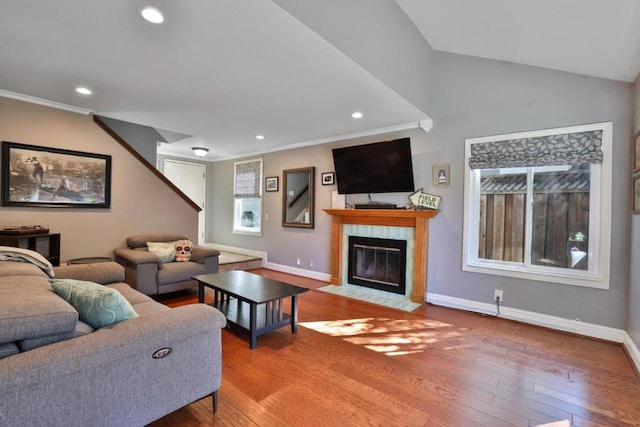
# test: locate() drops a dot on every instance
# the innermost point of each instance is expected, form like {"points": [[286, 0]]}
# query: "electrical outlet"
{"points": [[310, 263], [498, 294], [297, 261]]}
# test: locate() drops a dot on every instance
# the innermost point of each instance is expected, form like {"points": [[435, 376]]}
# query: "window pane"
{"points": [[247, 215], [502, 214], [561, 217]]}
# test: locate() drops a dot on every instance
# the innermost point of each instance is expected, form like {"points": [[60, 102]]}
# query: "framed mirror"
{"points": [[298, 197]]}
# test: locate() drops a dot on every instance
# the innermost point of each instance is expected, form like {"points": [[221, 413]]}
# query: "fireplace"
{"points": [[377, 263]]}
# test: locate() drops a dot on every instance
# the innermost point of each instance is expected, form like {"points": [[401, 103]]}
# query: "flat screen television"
{"points": [[381, 167]]}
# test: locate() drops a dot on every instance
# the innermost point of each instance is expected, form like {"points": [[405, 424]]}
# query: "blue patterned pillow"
{"points": [[96, 304]]}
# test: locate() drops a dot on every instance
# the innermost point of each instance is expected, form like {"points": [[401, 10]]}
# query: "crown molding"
{"points": [[44, 102]]}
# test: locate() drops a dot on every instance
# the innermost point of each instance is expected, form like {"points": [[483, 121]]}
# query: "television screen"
{"points": [[381, 167]]}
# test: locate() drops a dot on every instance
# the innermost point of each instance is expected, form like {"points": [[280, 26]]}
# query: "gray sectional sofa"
{"points": [[56, 370]]}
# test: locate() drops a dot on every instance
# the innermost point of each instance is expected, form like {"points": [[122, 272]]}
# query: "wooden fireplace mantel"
{"points": [[385, 217]]}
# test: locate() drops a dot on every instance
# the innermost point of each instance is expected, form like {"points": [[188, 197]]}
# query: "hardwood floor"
{"points": [[357, 364]]}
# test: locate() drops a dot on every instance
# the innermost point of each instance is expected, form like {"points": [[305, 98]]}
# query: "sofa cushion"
{"points": [[8, 349], [97, 305], [175, 272], [30, 309], [165, 250], [81, 329]]}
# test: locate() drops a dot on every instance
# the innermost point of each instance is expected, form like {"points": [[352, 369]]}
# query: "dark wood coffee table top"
{"points": [[249, 287]]}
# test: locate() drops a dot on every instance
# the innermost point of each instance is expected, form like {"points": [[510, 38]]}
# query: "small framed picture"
{"points": [[328, 178], [635, 197], [441, 175], [636, 153], [271, 183]]}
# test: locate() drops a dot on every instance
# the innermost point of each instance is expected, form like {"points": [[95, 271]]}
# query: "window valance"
{"points": [[550, 150], [248, 177]]}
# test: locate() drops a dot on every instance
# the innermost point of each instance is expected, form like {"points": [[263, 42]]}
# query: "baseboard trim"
{"points": [[235, 250], [632, 351], [324, 277], [551, 322]]}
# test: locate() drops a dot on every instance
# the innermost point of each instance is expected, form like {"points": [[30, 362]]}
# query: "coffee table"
{"points": [[251, 302]]}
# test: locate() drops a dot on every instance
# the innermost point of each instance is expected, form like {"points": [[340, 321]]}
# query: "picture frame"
{"points": [[35, 176], [635, 155], [441, 175], [328, 178], [635, 195], [271, 184]]}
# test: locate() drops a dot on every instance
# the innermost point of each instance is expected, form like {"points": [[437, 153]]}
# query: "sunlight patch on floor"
{"points": [[393, 337]]}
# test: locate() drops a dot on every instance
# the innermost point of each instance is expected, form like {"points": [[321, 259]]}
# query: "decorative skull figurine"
{"points": [[183, 250]]}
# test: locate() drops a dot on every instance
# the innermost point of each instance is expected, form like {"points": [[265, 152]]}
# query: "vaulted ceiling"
{"points": [[224, 71]]}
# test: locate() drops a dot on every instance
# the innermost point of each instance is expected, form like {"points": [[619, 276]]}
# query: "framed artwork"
{"points": [[271, 183], [328, 178], [635, 197], [34, 176], [441, 175], [636, 153]]}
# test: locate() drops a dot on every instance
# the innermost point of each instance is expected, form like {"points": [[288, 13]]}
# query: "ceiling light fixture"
{"points": [[200, 151], [151, 14], [259, 136], [84, 90], [357, 115]]}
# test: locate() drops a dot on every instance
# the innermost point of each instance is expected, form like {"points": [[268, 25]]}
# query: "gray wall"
{"points": [[633, 323], [143, 139], [472, 97], [140, 202], [476, 97]]}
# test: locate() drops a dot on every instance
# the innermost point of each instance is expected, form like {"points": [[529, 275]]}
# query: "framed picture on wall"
{"points": [[636, 153], [328, 178], [441, 175], [271, 183], [34, 176], [635, 197]]}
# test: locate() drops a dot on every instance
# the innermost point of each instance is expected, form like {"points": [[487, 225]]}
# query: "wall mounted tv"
{"points": [[381, 167]]}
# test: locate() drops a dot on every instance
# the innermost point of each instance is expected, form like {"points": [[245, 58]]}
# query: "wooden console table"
{"points": [[46, 244], [385, 217]]}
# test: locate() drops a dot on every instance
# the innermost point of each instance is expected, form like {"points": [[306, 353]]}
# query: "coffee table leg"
{"points": [[294, 314], [200, 293], [253, 314]]}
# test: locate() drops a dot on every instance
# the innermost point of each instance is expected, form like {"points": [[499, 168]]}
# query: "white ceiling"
{"points": [[227, 70]]}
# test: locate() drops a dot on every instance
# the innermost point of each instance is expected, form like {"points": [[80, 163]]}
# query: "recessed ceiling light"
{"points": [[84, 91], [357, 115], [259, 136], [151, 14]]}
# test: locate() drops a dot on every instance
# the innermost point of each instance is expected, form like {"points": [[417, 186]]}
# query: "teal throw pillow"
{"points": [[165, 250], [96, 304]]}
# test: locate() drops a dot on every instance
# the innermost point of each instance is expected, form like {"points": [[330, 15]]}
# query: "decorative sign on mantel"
{"points": [[424, 200]]}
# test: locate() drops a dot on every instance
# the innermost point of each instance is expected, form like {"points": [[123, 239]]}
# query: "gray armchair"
{"points": [[149, 274]]}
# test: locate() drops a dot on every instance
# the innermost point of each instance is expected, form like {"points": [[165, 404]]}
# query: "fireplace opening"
{"points": [[378, 263]]}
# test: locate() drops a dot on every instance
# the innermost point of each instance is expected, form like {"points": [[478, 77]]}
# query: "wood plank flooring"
{"points": [[357, 364]]}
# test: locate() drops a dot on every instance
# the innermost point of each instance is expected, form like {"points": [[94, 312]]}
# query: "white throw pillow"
{"points": [[165, 250]]}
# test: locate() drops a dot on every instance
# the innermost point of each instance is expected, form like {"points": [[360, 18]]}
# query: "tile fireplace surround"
{"points": [[419, 220]]}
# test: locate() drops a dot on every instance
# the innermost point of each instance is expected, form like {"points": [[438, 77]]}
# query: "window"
{"points": [[535, 205], [247, 193]]}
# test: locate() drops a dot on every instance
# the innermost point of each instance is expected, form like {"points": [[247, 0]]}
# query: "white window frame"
{"points": [[597, 276], [238, 228]]}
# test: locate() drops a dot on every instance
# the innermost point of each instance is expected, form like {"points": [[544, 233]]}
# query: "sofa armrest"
{"points": [[107, 374], [133, 256], [200, 253], [100, 272]]}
